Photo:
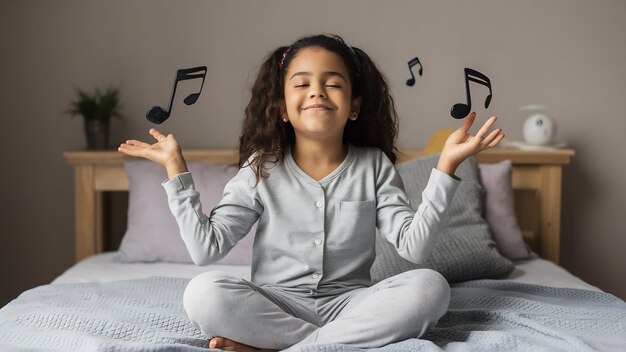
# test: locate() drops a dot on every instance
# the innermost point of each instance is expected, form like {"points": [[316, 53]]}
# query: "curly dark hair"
{"points": [[264, 136]]}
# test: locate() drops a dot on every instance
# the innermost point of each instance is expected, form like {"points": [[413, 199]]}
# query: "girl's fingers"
{"points": [[128, 149], [156, 134], [134, 148], [468, 122], [137, 143], [497, 140], [491, 137], [483, 130]]}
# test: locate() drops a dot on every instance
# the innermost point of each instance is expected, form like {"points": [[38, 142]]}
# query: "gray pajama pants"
{"points": [[395, 309]]}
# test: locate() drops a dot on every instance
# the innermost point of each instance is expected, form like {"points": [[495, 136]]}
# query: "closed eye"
{"points": [[328, 85]]}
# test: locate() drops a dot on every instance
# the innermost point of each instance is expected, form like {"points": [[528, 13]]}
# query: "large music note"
{"points": [[415, 61], [461, 110], [157, 114]]}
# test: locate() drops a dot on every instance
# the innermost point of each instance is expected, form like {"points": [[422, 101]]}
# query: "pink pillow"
{"points": [[152, 234], [500, 210]]}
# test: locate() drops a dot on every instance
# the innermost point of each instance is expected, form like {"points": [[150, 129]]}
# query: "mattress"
{"points": [[106, 267]]}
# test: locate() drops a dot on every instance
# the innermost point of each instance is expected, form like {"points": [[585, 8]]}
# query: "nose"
{"points": [[317, 91]]}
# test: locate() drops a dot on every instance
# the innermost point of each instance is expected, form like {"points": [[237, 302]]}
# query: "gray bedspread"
{"points": [[147, 315]]}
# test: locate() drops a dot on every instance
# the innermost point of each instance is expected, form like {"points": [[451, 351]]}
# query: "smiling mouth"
{"points": [[317, 107]]}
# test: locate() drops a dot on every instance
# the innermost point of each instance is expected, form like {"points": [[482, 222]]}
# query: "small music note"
{"points": [[157, 114], [415, 61], [461, 110]]}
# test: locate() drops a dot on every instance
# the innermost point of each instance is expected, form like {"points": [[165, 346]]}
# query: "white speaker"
{"points": [[539, 129]]}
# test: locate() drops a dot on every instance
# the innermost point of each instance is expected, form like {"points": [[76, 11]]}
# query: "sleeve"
{"points": [[210, 238], [411, 232]]}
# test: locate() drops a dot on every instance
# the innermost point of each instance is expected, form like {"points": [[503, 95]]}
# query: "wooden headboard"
{"points": [[536, 181]]}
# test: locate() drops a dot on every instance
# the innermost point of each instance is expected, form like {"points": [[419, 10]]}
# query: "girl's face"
{"points": [[318, 95]]}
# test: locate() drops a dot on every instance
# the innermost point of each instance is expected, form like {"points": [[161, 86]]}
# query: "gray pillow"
{"points": [[464, 249], [152, 234]]}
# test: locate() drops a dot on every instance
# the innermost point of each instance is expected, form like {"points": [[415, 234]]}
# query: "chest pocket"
{"points": [[356, 223], [351, 206]]}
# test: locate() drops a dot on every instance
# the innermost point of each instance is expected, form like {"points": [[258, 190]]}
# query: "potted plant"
{"points": [[97, 111]]}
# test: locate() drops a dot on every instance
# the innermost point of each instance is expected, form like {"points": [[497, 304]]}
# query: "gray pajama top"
{"points": [[313, 235]]}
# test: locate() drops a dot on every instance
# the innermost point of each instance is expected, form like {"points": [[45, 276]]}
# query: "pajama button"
{"points": [[318, 241], [319, 204], [315, 276]]}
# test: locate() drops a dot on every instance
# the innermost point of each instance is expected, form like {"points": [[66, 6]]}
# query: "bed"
{"points": [[103, 304]]}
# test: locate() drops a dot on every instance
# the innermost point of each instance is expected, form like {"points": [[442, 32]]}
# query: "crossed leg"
{"points": [[397, 308], [242, 315]]}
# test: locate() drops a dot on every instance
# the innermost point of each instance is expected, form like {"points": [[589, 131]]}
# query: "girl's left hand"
{"points": [[460, 145]]}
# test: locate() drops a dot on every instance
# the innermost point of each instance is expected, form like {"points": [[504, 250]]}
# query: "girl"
{"points": [[316, 171]]}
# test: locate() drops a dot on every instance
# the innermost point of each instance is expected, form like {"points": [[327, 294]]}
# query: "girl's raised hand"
{"points": [[460, 145], [165, 151]]}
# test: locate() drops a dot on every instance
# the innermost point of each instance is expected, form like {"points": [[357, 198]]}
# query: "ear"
{"points": [[283, 109], [356, 105]]}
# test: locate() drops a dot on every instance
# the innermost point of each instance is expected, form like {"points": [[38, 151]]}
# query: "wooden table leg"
{"points": [[550, 201], [86, 210]]}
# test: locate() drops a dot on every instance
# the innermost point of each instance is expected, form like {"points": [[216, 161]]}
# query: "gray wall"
{"points": [[569, 54]]}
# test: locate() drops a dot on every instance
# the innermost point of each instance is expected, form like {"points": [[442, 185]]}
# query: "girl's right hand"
{"points": [[166, 151]]}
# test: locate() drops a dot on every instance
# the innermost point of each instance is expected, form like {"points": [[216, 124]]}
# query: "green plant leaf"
{"points": [[100, 106]]}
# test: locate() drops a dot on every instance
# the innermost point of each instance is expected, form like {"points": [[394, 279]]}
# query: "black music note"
{"points": [[157, 115], [415, 61], [460, 110]]}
